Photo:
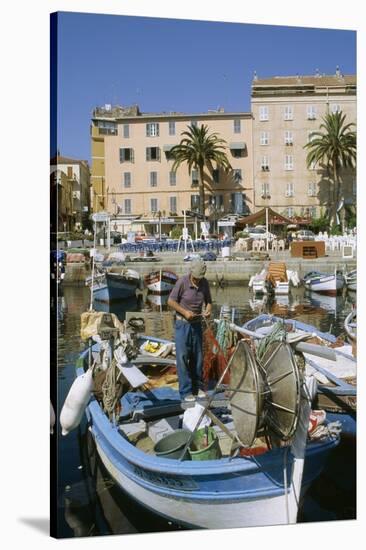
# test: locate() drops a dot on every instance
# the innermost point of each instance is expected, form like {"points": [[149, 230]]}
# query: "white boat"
{"points": [[274, 279], [326, 283], [161, 281], [351, 280], [350, 325]]}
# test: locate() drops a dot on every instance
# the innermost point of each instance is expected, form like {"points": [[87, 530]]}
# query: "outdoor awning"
{"points": [[238, 145], [273, 217], [166, 148]]}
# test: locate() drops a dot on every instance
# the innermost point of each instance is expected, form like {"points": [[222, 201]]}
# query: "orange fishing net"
{"points": [[214, 359]]}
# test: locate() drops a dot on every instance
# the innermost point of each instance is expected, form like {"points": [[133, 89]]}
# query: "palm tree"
{"points": [[335, 147], [199, 149]]}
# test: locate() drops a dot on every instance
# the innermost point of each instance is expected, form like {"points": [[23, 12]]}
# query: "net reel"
{"points": [[264, 395]]}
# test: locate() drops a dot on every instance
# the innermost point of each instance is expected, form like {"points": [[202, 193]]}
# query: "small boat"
{"points": [[325, 283], [160, 282], [336, 380], [350, 325], [274, 279], [351, 279], [114, 285], [232, 484]]}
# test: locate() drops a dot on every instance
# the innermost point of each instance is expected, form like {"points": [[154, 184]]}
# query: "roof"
{"points": [[67, 160], [273, 217], [309, 80], [122, 113]]}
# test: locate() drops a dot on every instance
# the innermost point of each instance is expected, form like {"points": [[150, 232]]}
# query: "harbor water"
{"points": [[89, 501]]}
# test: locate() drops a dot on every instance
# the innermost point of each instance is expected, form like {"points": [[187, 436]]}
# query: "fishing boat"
{"points": [[113, 285], [336, 378], [325, 283], [351, 279], [274, 279], [252, 471], [350, 325], [160, 282]]}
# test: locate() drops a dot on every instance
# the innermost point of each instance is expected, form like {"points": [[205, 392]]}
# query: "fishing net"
{"points": [[217, 350]]}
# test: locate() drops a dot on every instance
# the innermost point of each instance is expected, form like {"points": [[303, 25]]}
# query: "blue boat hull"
{"points": [[114, 289]]}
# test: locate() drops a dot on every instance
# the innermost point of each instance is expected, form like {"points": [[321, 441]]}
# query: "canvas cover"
{"points": [[94, 323]]}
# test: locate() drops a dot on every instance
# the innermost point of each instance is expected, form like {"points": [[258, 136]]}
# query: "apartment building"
{"points": [[132, 169], [61, 201], [78, 174], [286, 111]]}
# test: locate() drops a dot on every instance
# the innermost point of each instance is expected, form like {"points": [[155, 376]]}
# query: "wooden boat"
{"points": [[274, 279], [160, 282], [325, 283], [350, 325], [114, 285], [351, 280], [336, 380], [258, 487]]}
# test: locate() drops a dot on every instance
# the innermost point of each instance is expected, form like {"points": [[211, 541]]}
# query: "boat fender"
{"points": [[76, 401], [52, 418]]}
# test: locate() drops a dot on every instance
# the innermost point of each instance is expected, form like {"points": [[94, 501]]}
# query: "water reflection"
{"points": [[90, 502]]}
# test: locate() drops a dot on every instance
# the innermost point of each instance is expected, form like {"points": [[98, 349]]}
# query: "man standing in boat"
{"points": [[191, 299]]}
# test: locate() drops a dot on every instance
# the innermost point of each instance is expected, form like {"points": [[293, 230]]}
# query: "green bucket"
{"points": [[205, 445], [172, 445]]}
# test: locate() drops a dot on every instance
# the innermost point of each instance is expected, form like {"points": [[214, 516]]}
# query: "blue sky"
{"points": [[178, 65]]}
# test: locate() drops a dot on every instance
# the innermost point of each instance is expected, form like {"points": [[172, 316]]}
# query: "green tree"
{"points": [[333, 146], [199, 149]]}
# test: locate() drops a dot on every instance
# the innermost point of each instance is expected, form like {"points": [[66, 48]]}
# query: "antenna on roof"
{"points": [[317, 73], [255, 76]]}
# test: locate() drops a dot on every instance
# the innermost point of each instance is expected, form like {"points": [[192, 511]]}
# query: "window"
{"points": [[106, 128], [264, 138], [263, 112], [237, 153], [154, 205], [195, 202], [265, 190], [311, 112], [237, 175], [237, 125], [194, 177], [290, 189], [289, 138], [171, 127], [216, 175], [127, 206], [152, 153], [70, 173], [312, 211], [335, 108], [126, 155], [173, 204], [290, 212], [289, 162], [127, 179], [237, 203], [194, 123], [265, 164], [288, 113], [126, 130], [312, 189], [153, 179], [216, 201], [172, 178], [152, 129]]}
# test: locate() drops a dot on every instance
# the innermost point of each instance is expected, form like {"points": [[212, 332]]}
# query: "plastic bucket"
{"points": [[172, 445], [202, 449]]}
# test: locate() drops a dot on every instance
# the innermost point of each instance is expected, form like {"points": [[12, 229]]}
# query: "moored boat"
{"points": [[325, 283], [350, 325], [114, 285], [160, 282], [351, 279], [246, 482], [274, 279]]}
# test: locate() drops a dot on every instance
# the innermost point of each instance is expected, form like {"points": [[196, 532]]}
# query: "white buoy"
{"points": [[52, 418], [75, 402]]}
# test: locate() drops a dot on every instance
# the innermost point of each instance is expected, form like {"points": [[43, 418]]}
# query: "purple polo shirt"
{"points": [[190, 297]]}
